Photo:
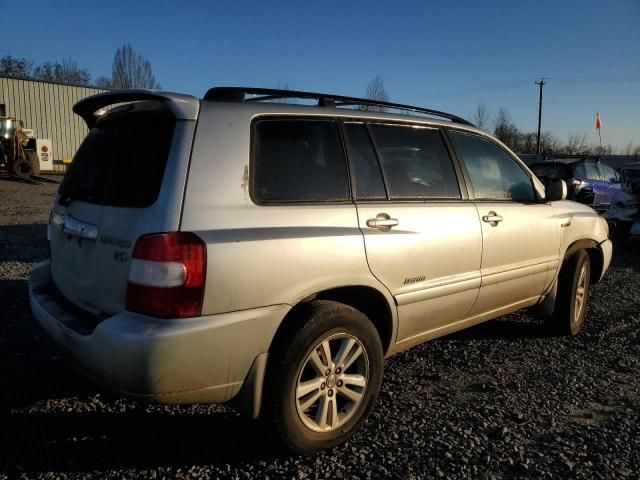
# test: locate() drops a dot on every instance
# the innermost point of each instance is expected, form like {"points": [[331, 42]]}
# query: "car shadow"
{"points": [[511, 327], [76, 442]]}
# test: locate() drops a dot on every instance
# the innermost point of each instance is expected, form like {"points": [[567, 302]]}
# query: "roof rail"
{"points": [[238, 94]]}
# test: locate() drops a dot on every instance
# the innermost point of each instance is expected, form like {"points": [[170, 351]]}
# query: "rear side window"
{"points": [[299, 160], [415, 162], [122, 161]]}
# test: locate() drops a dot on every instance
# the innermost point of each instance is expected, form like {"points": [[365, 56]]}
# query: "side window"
{"points": [[415, 162], [364, 163], [592, 171], [579, 170], [609, 174], [299, 160], [494, 175]]}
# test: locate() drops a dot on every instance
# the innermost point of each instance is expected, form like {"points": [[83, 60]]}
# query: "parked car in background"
{"points": [[624, 211], [590, 181], [275, 254]]}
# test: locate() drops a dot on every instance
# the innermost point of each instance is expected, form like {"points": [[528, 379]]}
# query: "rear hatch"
{"points": [[126, 180]]}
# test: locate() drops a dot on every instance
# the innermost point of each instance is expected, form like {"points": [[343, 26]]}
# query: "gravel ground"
{"points": [[501, 400]]}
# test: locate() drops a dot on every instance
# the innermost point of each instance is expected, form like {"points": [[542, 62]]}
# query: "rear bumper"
{"points": [[194, 360]]}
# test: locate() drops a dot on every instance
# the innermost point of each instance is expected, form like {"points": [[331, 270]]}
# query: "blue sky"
{"points": [[448, 55]]}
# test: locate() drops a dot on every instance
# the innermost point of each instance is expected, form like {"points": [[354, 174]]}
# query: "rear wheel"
{"points": [[21, 168], [323, 381], [573, 294]]}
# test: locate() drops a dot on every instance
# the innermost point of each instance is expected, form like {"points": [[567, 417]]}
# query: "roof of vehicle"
{"points": [[252, 95]]}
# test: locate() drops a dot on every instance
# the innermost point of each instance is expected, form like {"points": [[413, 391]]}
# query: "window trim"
{"points": [[467, 177], [456, 167], [252, 161]]}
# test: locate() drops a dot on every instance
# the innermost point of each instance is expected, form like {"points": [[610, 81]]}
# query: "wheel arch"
{"points": [[370, 301], [596, 256]]}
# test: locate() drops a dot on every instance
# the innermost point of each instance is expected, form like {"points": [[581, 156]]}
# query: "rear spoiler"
{"points": [[183, 107]]}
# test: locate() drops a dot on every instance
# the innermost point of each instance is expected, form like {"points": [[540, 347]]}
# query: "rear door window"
{"points": [[122, 160], [415, 162], [299, 160]]}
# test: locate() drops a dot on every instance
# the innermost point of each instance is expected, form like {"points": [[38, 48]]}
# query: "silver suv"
{"points": [[237, 248]]}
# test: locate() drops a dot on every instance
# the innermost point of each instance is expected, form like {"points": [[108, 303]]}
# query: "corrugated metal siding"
{"points": [[47, 109]]}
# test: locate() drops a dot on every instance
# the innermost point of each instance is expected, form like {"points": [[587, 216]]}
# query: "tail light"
{"points": [[167, 275]]}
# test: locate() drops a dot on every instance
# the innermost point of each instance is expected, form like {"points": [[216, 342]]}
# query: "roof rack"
{"points": [[238, 94]]}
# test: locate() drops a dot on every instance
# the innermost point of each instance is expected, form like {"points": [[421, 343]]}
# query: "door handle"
{"points": [[493, 218], [382, 222]]}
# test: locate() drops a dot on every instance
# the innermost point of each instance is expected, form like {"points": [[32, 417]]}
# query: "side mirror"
{"points": [[556, 190]]}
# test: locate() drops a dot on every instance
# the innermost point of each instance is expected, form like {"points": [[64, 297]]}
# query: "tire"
{"points": [[21, 168], [299, 422], [32, 157], [573, 294]]}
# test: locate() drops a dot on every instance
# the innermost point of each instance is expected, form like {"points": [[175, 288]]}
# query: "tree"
{"points": [[16, 67], [66, 72], [505, 130], [104, 82], [576, 144], [481, 117], [376, 91], [132, 70]]}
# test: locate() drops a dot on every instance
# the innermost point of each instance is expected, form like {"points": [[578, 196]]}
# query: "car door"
{"points": [[422, 236], [521, 237]]}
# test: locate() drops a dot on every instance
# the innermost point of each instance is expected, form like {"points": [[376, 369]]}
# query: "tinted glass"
{"points": [[364, 163], [609, 173], [592, 171], [416, 162], [494, 174], [299, 160], [579, 170], [122, 160]]}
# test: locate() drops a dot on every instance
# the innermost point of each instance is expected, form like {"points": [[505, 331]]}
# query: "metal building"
{"points": [[46, 108]]}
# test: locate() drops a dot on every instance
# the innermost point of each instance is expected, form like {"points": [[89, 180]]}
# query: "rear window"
{"points": [[299, 161], [122, 161]]}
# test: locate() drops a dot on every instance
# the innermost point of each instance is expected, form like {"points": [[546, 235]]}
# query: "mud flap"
{"points": [[249, 398]]}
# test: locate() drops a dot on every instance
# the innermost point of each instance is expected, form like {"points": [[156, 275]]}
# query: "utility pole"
{"points": [[541, 83]]}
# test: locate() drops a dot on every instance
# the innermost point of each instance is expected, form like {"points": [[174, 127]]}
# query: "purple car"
{"points": [[589, 181]]}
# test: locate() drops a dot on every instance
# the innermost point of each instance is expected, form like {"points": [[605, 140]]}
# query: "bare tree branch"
{"points": [[132, 70], [481, 117], [376, 91]]}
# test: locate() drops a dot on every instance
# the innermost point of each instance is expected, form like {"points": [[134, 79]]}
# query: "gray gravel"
{"points": [[501, 400]]}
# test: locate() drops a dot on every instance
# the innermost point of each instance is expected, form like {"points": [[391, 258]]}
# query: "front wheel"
{"points": [[573, 293], [323, 381]]}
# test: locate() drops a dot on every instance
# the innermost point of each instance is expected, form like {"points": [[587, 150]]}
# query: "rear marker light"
{"points": [[167, 275]]}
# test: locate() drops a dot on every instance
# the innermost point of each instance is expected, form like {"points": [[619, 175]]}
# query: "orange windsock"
{"points": [[598, 124]]}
